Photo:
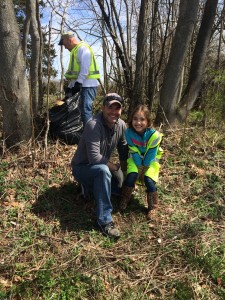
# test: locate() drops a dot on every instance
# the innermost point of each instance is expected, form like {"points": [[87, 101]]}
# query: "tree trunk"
{"points": [[61, 50], [198, 60], [139, 91], [104, 56], [120, 50], [168, 97], [157, 54], [40, 71], [14, 89], [35, 52]]}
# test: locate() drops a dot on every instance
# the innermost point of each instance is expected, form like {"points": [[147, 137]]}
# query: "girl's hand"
{"points": [[141, 173]]}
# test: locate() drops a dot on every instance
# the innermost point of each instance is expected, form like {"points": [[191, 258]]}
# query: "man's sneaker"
{"points": [[110, 230]]}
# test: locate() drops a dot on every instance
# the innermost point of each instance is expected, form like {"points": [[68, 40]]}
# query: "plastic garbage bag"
{"points": [[65, 121]]}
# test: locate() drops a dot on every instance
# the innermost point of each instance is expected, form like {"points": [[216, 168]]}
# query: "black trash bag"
{"points": [[65, 121]]}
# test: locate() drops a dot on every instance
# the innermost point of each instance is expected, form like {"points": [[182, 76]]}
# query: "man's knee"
{"points": [[103, 170]]}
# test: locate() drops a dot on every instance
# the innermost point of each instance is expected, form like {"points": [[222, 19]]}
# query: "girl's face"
{"points": [[139, 122]]}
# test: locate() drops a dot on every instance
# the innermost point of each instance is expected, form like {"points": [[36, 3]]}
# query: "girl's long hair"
{"points": [[140, 108]]}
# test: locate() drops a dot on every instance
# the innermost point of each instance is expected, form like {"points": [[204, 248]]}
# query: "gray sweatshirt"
{"points": [[98, 142]]}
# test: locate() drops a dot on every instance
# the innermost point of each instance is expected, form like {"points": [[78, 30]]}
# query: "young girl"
{"points": [[143, 162]]}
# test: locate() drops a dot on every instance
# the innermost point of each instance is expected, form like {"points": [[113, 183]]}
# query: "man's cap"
{"points": [[65, 35], [111, 98]]}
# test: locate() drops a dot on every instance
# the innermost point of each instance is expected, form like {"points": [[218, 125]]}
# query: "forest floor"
{"points": [[51, 248]]}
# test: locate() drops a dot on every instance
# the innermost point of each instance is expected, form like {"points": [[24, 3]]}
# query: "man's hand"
{"points": [[68, 92], [119, 176], [76, 88], [113, 167]]}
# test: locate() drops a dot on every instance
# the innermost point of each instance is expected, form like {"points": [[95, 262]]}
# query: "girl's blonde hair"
{"points": [[140, 108]]}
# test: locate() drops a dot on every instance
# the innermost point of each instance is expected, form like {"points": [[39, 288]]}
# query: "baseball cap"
{"points": [[111, 98], [65, 35]]}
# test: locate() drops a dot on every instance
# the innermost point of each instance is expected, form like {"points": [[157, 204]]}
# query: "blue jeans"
{"points": [[87, 96], [97, 179], [149, 183]]}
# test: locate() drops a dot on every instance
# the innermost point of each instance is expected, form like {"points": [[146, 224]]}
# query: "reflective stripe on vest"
{"points": [[74, 68], [154, 141]]}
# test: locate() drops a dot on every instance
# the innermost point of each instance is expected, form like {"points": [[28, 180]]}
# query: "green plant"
{"points": [[51, 248], [183, 290]]}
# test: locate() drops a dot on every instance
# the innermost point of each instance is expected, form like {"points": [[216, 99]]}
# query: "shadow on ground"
{"points": [[66, 204]]}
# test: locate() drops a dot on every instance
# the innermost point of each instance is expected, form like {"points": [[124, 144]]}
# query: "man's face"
{"points": [[67, 44], [111, 113]]}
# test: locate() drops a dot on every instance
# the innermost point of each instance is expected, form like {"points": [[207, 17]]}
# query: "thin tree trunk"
{"points": [[139, 92], [35, 51], [40, 73], [121, 55], [26, 30], [104, 53], [168, 97], [61, 52], [48, 85], [198, 60]]}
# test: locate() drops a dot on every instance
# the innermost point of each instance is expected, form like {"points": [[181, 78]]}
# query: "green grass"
{"points": [[51, 248]]}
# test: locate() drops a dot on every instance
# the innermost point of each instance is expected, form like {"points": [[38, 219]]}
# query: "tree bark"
{"points": [[40, 71], [121, 53], [35, 54], [198, 61], [139, 91], [168, 97], [14, 89]]}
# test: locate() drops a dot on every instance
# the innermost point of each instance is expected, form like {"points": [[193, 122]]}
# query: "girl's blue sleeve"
{"points": [[137, 159], [135, 155], [150, 156]]}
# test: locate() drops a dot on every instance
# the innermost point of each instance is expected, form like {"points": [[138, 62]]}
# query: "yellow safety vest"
{"points": [[74, 67], [153, 170]]}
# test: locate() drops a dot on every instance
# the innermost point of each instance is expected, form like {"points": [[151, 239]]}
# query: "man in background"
{"points": [[83, 73]]}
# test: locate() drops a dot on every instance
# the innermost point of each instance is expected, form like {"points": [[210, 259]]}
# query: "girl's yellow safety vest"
{"points": [[153, 170]]}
